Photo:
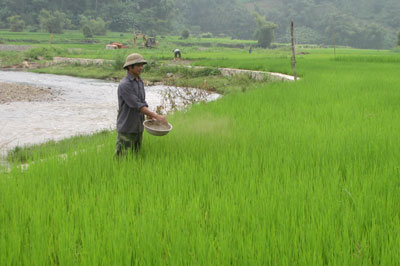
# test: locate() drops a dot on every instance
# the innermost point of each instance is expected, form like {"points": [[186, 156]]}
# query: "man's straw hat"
{"points": [[134, 59]]}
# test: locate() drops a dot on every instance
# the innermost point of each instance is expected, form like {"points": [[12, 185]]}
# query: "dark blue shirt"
{"points": [[131, 98]]}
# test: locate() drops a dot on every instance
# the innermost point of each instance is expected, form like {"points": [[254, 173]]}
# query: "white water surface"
{"points": [[83, 106]]}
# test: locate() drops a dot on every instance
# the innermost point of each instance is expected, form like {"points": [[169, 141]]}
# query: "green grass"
{"points": [[10, 58], [301, 173], [27, 154]]}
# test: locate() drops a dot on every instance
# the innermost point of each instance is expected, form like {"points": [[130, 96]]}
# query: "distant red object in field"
{"points": [[115, 45]]}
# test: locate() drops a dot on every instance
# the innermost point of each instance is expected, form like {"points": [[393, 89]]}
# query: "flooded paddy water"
{"points": [[81, 106]]}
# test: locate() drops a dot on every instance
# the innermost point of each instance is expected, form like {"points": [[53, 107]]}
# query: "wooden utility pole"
{"points": [[334, 44], [293, 52]]}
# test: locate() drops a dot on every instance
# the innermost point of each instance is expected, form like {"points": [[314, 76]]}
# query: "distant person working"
{"points": [[177, 53], [132, 107]]}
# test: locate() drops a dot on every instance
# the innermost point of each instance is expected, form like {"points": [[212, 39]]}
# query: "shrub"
{"points": [[97, 26], [53, 22], [185, 34], [150, 65], [206, 35], [265, 32], [16, 23], [47, 53], [273, 46], [32, 29], [87, 32], [119, 61], [186, 72], [208, 71], [231, 45], [265, 35]]}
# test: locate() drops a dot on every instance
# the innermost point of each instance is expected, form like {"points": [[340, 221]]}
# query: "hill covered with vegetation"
{"points": [[362, 24]]}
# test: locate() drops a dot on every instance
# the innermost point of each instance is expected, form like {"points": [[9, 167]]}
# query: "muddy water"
{"points": [[83, 106]]}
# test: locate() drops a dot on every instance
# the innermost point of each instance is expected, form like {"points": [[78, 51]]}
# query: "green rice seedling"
{"points": [[369, 59]]}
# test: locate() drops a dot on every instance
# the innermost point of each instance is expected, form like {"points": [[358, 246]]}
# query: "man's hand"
{"points": [[161, 118], [153, 115]]}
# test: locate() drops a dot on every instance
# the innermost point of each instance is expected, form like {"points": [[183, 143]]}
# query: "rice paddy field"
{"points": [[303, 173]]}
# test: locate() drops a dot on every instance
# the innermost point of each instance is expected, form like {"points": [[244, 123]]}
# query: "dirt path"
{"points": [[5, 47], [254, 74], [257, 75], [11, 92]]}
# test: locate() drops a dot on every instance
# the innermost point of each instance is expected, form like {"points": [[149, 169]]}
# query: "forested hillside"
{"points": [[357, 23]]}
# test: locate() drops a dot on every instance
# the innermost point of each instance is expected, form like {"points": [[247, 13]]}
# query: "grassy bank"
{"points": [[39, 152], [208, 78], [160, 58], [301, 173]]}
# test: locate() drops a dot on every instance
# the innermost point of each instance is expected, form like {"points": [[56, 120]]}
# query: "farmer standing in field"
{"points": [[132, 107]]}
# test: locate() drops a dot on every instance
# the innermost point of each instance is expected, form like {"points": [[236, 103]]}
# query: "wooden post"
{"points": [[293, 52], [334, 44]]}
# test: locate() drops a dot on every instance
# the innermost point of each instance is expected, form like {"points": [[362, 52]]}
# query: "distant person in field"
{"points": [[132, 107], [177, 53], [250, 50]]}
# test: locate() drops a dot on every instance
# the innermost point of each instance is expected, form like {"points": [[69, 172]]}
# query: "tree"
{"points": [[373, 36], [53, 22], [344, 27], [120, 16], [230, 17], [362, 24], [96, 26], [156, 16], [306, 35], [185, 34], [16, 23], [265, 35], [87, 32], [265, 32]]}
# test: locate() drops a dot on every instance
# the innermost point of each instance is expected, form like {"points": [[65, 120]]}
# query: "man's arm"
{"points": [[153, 115], [130, 98]]}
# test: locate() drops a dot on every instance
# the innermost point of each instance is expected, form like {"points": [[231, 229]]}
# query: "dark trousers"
{"points": [[128, 142], [177, 54]]}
